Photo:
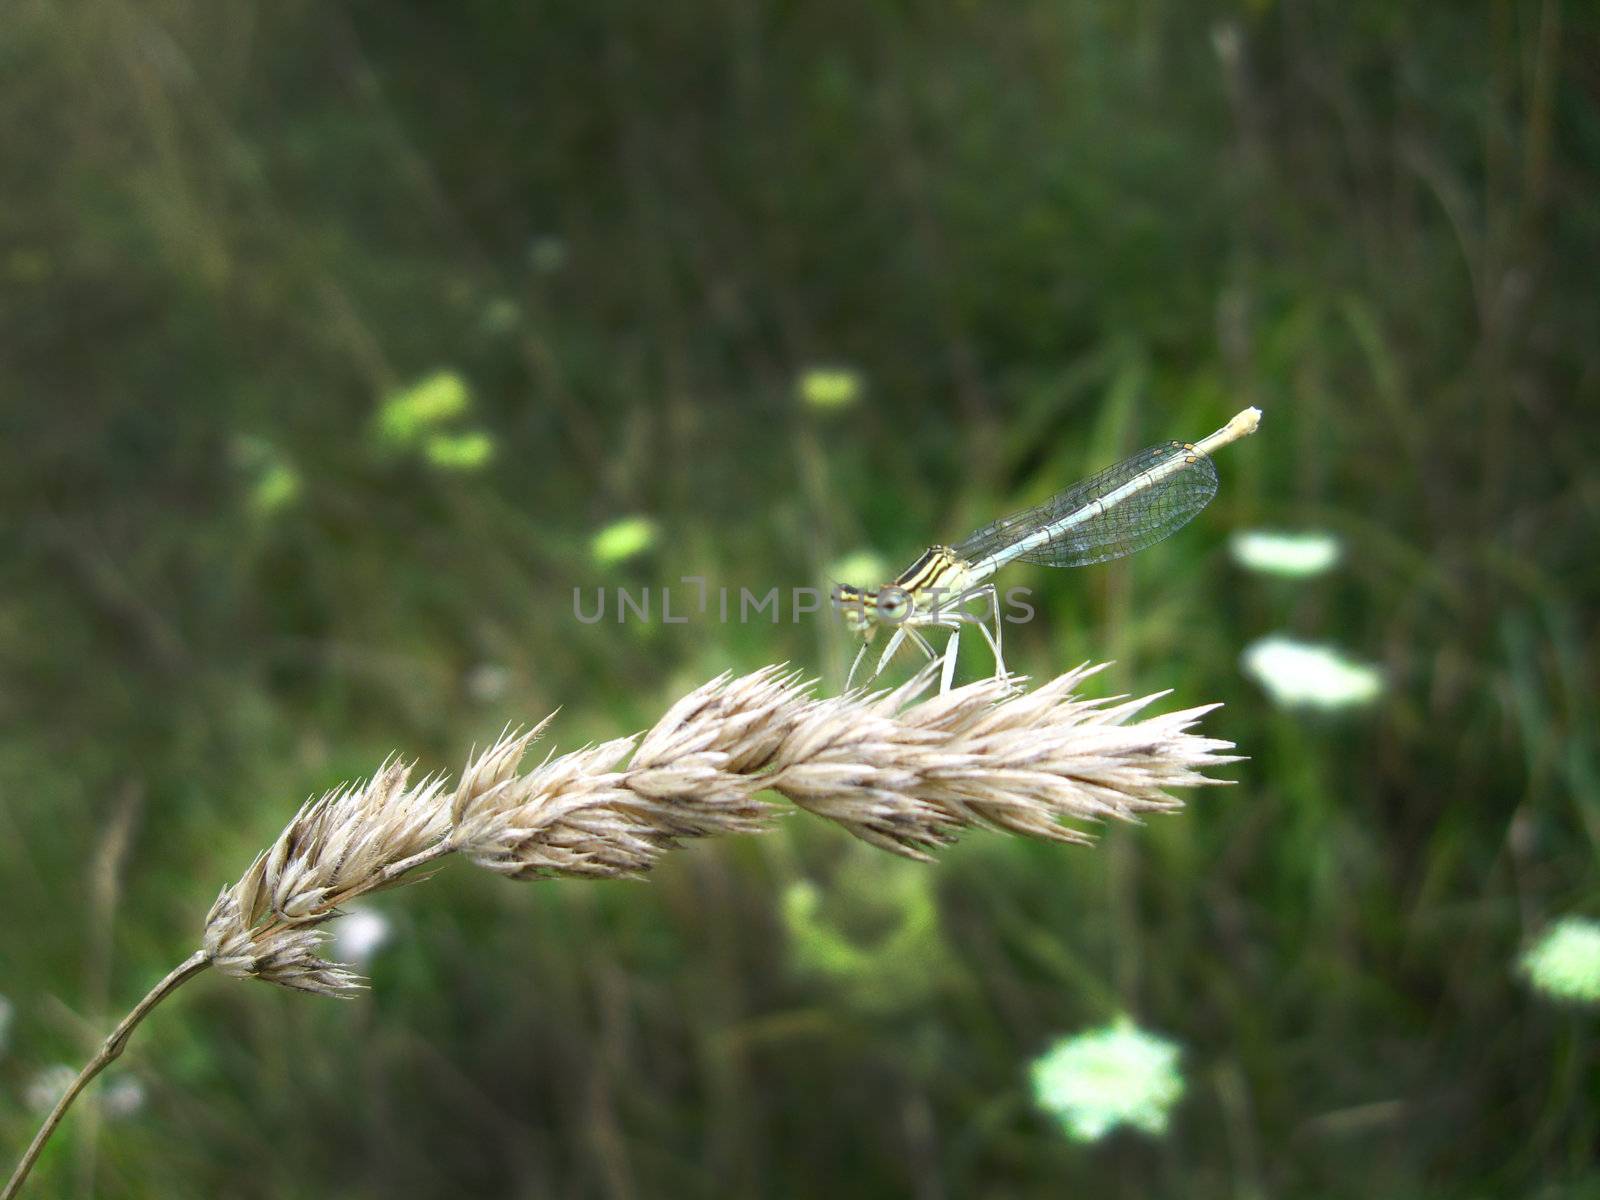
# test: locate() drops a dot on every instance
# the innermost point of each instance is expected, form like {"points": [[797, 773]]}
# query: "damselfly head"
{"points": [[864, 611], [893, 603], [853, 604]]}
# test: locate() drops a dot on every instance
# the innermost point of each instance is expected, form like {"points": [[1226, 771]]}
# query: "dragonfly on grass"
{"points": [[1122, 509]]}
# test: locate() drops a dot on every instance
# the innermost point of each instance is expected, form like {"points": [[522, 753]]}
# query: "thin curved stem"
{"points": [[108, 1053]]}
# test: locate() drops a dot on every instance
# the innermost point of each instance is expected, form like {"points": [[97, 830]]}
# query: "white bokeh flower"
{"points": [[487, 682], [47, 1086], [1291, 555], [359, 935], [1304, 675], [1116, 1075], [1565, 962], [122, 1097]]}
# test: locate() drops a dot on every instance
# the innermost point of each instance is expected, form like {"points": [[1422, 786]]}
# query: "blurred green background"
{"points": [[340, 343]]}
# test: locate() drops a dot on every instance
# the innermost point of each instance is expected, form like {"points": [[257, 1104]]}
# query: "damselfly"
{"points": [[1122, 509]]}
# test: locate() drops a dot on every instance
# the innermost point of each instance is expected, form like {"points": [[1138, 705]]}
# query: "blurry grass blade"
{"points": [[278, 487], [622, 540], [406, 416], [873, 932], [273, 482], [829, 388], [547, 253], [470, 451]]}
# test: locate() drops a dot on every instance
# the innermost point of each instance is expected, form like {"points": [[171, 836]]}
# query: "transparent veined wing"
{"points": [[1106, 516]]}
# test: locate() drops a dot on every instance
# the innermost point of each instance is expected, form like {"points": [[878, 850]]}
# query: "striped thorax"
{"points": [[914, 596]]}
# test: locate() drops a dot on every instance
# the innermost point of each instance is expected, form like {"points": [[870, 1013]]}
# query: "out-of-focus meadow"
{"points": [[340, 344]]}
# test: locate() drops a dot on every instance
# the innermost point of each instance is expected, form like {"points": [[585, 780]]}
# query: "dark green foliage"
{"points": [[1044, 234]]}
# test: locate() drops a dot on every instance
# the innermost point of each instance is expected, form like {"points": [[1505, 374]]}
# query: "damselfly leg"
{"points": [[855, 665], [952, 651], [956, 616], [992, 596], [951, 616], [898, 638]]}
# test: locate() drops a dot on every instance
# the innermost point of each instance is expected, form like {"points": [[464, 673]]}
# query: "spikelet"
{"points": [[900, 770], [344, 844]]}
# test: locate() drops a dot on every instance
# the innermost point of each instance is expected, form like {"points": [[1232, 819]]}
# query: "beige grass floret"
{"points": [[900, 770]]}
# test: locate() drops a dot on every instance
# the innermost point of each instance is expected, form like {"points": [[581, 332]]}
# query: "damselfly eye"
{"points": [[893, 603]]}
